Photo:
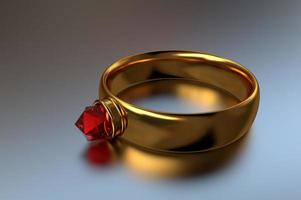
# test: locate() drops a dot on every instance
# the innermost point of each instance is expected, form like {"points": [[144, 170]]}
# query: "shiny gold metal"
{"points": [[116, 114], [174, 132]]}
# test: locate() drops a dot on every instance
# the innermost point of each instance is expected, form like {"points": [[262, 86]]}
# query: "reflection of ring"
{"points": [[184, 74], [155, 164]]}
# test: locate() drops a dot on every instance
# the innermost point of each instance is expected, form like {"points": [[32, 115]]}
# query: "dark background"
{"points": [[53, 52]]}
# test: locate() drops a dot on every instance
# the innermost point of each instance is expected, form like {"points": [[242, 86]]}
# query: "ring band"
{"points": [[177, 132]]}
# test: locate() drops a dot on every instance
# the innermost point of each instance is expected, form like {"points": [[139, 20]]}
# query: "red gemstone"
{"points": [[95, 122]]}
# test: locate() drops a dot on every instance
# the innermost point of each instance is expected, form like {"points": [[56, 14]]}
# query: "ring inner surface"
{"points": [[195, 85], [178, 96]]}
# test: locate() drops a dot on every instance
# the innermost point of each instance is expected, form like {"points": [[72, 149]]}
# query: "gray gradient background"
{"points": [[52, 53]]}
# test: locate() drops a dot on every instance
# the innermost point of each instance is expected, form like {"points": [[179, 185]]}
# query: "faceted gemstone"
{"points": [[95, 123]]}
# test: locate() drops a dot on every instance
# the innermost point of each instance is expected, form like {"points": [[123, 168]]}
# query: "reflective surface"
{"points": [[52, 54], [161, 166]]}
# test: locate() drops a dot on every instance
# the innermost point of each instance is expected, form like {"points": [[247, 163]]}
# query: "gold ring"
{"points": [[190, 75]]}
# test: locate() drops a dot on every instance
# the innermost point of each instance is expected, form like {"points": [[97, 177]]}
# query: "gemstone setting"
{"points": [[95, 123]]}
